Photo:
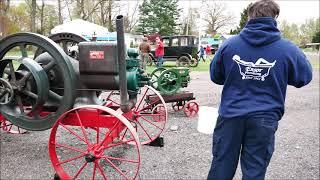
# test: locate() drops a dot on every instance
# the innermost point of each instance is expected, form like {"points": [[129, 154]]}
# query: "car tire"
{"points": [[194, 62], [184, 61], [150, 61]]}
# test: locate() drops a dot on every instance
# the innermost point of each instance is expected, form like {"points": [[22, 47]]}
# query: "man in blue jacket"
{"points": [[255, 68]]}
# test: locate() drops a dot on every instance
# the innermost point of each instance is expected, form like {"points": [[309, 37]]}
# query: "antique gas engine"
{"points": [[169, 81], [41, 87]]}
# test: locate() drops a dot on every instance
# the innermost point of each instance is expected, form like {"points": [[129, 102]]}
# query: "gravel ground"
{"points": [[187, 153]]}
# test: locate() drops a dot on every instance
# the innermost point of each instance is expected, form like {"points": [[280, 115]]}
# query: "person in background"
{"points": [[202, 53], [254, 68], [208, 51], [159, 52], [144, 49]]}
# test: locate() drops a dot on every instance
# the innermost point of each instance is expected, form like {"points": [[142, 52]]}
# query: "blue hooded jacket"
{"points": [[255, 68]]}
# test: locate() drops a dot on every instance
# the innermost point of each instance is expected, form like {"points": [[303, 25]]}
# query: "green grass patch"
{"points": [[202, 66]]}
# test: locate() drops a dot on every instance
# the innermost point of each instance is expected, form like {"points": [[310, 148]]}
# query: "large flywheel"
{"points": [[36, 89]]}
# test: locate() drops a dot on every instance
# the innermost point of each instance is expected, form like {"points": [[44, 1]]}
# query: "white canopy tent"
{"points": [[81, 27]]}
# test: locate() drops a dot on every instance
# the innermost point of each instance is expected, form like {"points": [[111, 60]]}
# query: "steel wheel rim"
{"points": [[11, 128], [148, 128], [98, 168], [191, 109], [176, 107]]}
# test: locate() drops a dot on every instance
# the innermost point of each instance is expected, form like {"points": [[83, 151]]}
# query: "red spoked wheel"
{"points": [[143, 117], [150, 115], [110, 99], [191, 109], [11, 128], [161, 110], [85, 144], [177, 106]]}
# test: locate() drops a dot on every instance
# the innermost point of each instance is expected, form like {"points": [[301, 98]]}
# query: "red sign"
{"points": [[97, 55]]}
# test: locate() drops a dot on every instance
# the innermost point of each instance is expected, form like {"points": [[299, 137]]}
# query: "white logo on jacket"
{"points": [[256, 71]]}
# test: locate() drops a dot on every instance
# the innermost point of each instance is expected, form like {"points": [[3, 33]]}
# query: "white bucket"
{"points": [[207, 119]]}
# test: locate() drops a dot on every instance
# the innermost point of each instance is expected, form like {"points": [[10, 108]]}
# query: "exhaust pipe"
{"points": [[125, 104]]}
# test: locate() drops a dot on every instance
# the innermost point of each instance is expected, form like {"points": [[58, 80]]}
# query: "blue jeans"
{"points": [[160, 61], [250, 138]]}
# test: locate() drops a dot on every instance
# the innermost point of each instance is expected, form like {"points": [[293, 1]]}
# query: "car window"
{"points": [[175, 42], [165, 42], [184, 41], [195, 41]]}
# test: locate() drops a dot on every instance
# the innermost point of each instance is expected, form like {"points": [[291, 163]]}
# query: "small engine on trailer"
{"points": [[170, 82]]}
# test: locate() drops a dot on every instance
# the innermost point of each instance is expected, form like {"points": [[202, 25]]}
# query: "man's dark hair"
{"points": [[264, 8]]}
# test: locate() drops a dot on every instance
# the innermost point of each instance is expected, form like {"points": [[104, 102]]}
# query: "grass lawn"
{"points": [[202, 66]]}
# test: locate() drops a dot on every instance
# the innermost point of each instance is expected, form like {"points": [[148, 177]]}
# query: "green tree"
{"points": [[308, 30], [144, 21], [290, 31], [158, 16], [243, 20], [316, 37], [18, 19]]}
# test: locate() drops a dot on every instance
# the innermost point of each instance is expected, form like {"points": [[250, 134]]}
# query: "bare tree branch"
{"points": [[216, 16]]}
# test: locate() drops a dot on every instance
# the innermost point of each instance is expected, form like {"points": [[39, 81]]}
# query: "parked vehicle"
{"points": [[182, 49]]}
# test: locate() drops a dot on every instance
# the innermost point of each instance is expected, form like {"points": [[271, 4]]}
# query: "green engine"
{"points": [[135, 76], [169, 81]]}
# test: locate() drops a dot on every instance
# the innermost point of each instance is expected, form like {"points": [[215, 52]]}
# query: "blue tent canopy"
{"points": [[111, 36]]}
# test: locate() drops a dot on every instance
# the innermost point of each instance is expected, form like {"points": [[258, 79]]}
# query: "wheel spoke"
{"points": [[116, 168], [121, 159], [70, 148], [94, 171], [151, 123], [71, 159], [101, 170], [125, 132], [23, 50], [12, 72], [2, 94], [25, 77], [109, 133], [118, 144], [19, 101], [55, 96], [142, 99], [49, 66], [30, 94], [82, 128], [65, 46], [80, 170], [150, 105], [72, 132], [144, 130]]}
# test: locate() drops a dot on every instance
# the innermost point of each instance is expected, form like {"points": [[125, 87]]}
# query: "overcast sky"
{"points": [[294, 11]]}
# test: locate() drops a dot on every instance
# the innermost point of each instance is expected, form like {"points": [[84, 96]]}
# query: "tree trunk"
{"points": [[102, 14], [4, 7], [59, 12], [110, 26], [33, 16], [42, 18]]}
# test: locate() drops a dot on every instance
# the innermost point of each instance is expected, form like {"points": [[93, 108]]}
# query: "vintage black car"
{"points": [[182, 49]]}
